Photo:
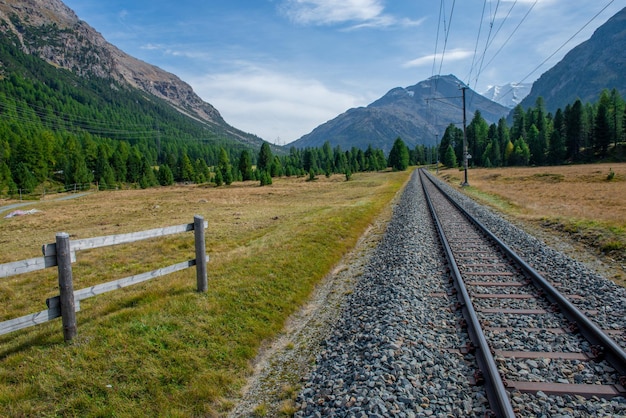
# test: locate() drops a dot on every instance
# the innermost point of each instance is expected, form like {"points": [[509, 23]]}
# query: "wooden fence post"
{"points": [[66, 286], [201, 273]]}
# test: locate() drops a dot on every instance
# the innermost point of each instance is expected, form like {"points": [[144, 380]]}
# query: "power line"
{"points": [[560, 47], [487, 43], [24, 114], [566, 42], [480, 25], [512, 33], [437, 39], [445, 43], [495, 35]]}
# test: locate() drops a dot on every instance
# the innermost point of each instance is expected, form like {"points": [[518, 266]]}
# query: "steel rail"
{"points": [[496, 390], [612, 352]]}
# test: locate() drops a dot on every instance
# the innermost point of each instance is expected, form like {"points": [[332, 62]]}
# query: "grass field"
{"points": [[579, 201], [160, 348]]}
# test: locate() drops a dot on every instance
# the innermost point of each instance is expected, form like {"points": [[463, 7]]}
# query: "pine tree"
{"points": [[602, 130], [556, 147], [449, 158], [574, 130], [186, 168], [165, 176], [265, 157], [398, 156], [245, 166]]}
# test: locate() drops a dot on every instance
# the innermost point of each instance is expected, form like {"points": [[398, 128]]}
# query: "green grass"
{"points": [[160, 348]]}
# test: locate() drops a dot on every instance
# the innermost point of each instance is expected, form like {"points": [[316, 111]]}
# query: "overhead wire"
{"points": [[487, 43], [512, 33], [437, 38], [445, 43], [480, 25], [560, 47], [23, 115], [568, 40]]}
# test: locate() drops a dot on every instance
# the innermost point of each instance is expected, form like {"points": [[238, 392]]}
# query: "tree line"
{"points": [[577, 134], [58, 130]]}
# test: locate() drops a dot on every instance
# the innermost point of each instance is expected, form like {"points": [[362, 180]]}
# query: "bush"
{"points": [[611, 175]]}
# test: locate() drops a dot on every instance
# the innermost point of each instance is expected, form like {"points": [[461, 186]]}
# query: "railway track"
{"points": [[514, 316]]}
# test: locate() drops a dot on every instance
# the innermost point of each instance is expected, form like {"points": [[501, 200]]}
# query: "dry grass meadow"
{"points": [[579, 202], [160, 348]]}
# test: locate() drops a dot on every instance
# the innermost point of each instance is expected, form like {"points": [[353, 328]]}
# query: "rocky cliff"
{"points": [[53, 32]]}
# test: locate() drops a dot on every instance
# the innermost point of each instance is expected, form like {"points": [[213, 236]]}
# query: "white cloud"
{"points": [[331, 11], [270, 104], [368, 13], [452, 55]]}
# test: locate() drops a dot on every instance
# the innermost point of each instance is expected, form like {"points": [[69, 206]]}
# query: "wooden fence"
{"points": [[62, 254]]}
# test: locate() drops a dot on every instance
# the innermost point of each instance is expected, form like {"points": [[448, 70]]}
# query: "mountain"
{"points": [[49, 30], [418, 114], [509, 95], [596, 64]]}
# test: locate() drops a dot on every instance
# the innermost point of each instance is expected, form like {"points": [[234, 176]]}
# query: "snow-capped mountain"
{"points": [[509, 95]]}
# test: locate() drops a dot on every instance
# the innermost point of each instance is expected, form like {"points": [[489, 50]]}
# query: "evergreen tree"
{"points": [[535, 145], [509, 150], [521, 154], [556, 148], [165, 176], [24, 178], [107, 178], [398, 156], [503, 140], [265, 178], [615, 114], [477, 137], [265, 157], [119, 160], [574, 130], [245, 165], [518, 130], [219, 179], [449, 158], [224, 167], [186, 168], [276, 170], [134, 166], [201, 171], [602, 129]]}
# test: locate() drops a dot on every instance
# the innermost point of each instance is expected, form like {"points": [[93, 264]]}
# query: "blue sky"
{"points": [[279, 68]]}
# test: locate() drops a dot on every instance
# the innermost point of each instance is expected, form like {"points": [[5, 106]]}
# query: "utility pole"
{"points": [[465, 153]]}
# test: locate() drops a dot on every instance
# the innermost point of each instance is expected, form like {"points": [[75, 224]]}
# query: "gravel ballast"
{"points": [[393, 351]]}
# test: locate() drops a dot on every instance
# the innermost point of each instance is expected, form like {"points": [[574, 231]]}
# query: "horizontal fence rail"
{"points": [[62, 254]]}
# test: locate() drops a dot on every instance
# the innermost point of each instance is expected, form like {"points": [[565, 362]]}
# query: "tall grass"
{"points": [[160, 348]]}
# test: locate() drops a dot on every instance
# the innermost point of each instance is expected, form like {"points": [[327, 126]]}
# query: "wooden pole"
{"points": [[201, 272], [66, 287]]}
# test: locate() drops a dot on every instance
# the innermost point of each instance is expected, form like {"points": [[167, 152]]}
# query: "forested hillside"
{"points": [[577, 134], [55, 125]]}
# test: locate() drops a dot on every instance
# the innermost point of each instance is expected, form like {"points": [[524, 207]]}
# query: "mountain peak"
{"points": [[53, 32], [509, 95], [418, 114]]}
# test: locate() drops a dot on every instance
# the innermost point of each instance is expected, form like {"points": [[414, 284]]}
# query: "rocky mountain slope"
{"points": [[53, 32], [418, 114], [586, 70]]}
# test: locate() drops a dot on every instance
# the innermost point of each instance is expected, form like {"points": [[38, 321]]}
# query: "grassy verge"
{"points": [[585, 203], [160, 348]]}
